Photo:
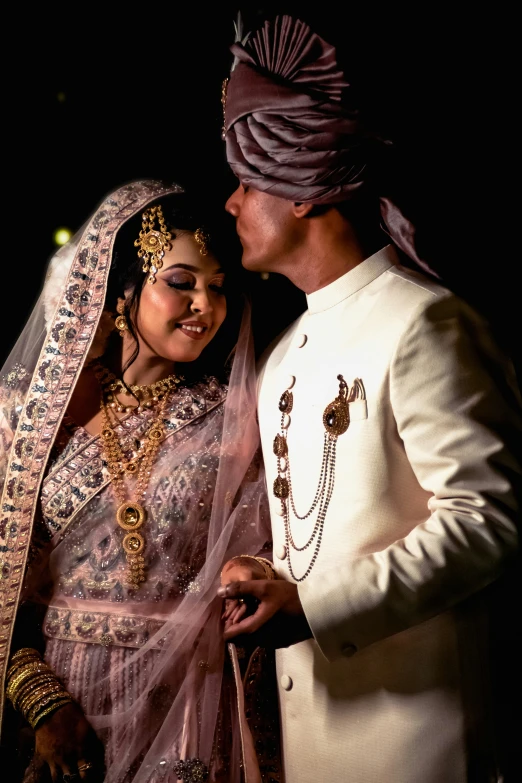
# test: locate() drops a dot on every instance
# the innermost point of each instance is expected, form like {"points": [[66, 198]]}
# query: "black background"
{"points": [[101, 94]]}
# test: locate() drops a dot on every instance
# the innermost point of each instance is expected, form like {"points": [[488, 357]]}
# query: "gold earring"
{"points": [[120, 321]]}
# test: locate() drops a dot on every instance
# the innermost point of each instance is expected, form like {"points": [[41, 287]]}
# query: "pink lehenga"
{"points": [[148, 666]]}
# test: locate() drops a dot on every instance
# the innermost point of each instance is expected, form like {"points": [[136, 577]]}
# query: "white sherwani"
{"points": [[422, 517]]}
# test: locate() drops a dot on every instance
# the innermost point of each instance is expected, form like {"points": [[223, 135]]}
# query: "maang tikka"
{"points": [[153, 242], [202, 238]]}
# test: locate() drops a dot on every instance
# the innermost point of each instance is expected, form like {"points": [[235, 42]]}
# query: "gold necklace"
{"points": [[336, 419], [131, 515], [146, 395]]}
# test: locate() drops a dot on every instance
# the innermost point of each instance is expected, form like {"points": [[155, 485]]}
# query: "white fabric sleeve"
{"points": [[459, 418]]}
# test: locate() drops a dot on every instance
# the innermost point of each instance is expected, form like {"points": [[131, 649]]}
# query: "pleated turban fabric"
{"points": [[292, 130]]}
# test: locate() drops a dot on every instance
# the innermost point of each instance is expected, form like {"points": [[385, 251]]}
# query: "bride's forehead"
{"points": [[185, 249]]}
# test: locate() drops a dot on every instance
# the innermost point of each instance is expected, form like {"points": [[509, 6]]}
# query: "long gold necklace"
{"points": [[336, 419], [131, 515]]}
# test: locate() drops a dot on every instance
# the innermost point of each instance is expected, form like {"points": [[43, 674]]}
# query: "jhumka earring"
{"points": [[201, 237], [153, 242], [120, 321]]}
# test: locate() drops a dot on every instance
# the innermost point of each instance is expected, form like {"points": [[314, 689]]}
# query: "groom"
{"points": [[389, 424]]}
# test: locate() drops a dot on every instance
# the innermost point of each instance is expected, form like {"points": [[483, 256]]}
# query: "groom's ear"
{"points": [[301, 209]]}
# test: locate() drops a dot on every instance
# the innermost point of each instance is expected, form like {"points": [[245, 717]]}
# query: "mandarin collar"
{"points": [[351, 282]]}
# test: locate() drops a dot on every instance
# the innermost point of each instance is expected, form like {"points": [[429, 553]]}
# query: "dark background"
{"points": [[115, 93]]}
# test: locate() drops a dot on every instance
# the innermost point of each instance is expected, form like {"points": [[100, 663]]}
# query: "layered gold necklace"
{"points": [[336, 418], [146, 396], [131, 514]]}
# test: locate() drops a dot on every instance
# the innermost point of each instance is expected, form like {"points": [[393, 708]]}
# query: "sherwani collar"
{"points": [[351, 282]]}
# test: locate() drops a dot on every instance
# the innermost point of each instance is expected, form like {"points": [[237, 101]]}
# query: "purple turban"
{"points": [[291, 128]]}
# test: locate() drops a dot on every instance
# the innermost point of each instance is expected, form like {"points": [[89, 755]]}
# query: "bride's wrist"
{"points": [[249, 560]]}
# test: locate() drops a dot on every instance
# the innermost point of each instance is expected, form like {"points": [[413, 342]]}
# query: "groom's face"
{"points": [[266, 226]]}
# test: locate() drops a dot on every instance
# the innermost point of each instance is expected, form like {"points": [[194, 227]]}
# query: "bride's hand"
{"points": [[240, 569], [67, 743]]}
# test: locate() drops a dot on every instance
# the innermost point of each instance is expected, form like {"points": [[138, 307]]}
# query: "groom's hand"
{"points": [[278, 619]]}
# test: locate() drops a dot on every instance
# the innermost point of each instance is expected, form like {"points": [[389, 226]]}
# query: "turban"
{"points": [[292, 127]]}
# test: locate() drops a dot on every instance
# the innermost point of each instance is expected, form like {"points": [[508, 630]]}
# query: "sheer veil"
{"points": [[176, 713]]}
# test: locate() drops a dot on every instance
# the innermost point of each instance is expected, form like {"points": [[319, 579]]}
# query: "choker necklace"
{"points": [[131, 515], [147, 396], [336, 419]]}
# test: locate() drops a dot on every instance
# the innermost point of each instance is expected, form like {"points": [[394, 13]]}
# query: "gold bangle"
{"points": [[20, 662], [21, 670], [23, 651], [32, 713], [269, 568], [26, 704], [27, 674], [48, 711], [21, 702], [26, 666], [263, 562], [34, 682]]}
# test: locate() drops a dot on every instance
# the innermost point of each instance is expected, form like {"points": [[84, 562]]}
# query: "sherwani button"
{"points": [[286, 682], [280, 552], [290, 381], [301, 340], [348, 650]]}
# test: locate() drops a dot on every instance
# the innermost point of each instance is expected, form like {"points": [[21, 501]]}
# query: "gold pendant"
{"points": [[131, 516], [133, 544]]}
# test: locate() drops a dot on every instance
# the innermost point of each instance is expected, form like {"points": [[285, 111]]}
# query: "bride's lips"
{"points": [[193, 329]]}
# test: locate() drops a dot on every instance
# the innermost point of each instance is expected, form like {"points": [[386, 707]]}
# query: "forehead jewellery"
{"points": [[336, 419], [202, 238], [152, 242], [130, 514]]}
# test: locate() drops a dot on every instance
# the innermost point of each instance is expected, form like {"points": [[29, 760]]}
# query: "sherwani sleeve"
{"points": [[458, 416]]}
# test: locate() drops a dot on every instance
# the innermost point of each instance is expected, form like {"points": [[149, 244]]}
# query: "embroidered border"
{"points": [[60, 361], [103, 628]]}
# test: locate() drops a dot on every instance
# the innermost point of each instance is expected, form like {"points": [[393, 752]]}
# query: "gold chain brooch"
{"points": [[336, 419]]}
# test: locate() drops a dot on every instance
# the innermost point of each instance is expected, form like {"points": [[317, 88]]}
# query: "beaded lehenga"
{"points": [[148, 665]]}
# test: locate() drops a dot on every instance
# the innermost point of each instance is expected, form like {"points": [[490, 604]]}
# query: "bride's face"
{"points": [[181, 312]]}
